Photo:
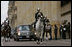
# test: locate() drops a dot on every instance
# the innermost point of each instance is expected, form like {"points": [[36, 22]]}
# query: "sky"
{"points": [[4, 9]]}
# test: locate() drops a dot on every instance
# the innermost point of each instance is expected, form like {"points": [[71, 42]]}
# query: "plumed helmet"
{"points": [[38, 8]]}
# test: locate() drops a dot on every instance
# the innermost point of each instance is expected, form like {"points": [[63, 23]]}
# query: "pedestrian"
{"points": [[55, 31], [45, 21], [60, 31], [68, 29], [47, 28], [50, 32], [64, 29]]}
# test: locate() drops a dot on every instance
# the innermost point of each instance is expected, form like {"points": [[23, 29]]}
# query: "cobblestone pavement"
{"points": [[61, 42]]}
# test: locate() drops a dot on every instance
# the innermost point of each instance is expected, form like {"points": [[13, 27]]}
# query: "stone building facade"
{"points": [[66, 12]]}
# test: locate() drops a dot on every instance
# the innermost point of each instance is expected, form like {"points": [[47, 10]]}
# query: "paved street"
{"points": [[61, 42]]}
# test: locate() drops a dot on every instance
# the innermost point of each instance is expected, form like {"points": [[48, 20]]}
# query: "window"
{"points": [[24, 28], [64, 3]]}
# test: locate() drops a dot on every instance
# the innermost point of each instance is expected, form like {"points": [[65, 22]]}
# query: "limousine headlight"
{"points": [[18, 33], [35, 33], [41, 16]]}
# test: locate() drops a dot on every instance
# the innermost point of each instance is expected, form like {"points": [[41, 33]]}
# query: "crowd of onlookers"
{"points": [[64, 31]]}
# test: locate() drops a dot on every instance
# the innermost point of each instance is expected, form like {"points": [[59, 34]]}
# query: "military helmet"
{"points": [[38, 9]]}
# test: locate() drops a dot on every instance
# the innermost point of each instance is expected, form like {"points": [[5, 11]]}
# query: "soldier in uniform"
{"points": [[7, 31], [37, 15], [4, 30]]}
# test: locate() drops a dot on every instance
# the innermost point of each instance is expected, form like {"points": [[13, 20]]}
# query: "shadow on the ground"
{"points": [[25, 40]]}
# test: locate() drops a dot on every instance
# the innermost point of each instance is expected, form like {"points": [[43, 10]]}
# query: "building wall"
{"points": [[67, 16], [27, 9], [65, 9]]}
